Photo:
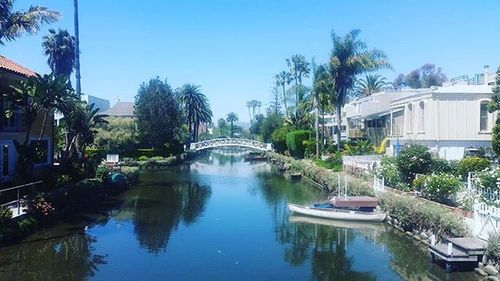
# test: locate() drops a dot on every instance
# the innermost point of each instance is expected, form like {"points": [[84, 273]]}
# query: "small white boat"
{"points": [[337, 214]]}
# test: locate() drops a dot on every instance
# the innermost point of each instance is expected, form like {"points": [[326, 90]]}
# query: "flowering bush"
{"points": [[42, 207], [414, 159], [389, 171], [439, 187], [488, 181]]}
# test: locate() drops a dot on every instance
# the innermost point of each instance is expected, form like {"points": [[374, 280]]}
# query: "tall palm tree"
{"points": [[258, 104], [299, 68], [231, 118], [373, 83], [249, 105], [350, 57], [196, 108], [283, 79], [13, 24], [59, 47], [77, 49]]}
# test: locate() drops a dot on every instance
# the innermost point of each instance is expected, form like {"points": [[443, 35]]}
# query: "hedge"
{"points": [[295, 142]]}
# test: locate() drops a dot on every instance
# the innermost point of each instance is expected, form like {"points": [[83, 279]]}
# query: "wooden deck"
{"points": [[469, 250]]}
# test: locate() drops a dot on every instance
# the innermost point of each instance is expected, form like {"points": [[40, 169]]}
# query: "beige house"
{"points": [[446, 119], [14, 128]]}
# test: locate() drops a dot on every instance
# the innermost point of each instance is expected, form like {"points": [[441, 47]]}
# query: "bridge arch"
{"points": [[228, 142]]}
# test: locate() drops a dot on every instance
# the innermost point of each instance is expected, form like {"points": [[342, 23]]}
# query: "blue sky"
{"points": [[232, 48]]}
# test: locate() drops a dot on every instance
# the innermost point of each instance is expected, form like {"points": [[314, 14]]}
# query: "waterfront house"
{"points": [[14, 128], [121, 109], [448, 120]]}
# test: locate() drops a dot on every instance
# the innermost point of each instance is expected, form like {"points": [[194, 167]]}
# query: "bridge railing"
{"points": [[229, 142]]}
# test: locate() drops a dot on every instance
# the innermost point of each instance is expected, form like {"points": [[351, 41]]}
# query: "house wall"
{"points": [[447, 122]]}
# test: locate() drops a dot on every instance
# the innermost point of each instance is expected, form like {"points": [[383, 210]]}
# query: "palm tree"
{"points": [[373, 83], [249, 105], [59, 47], [196, 108], [324, 91], [299, 68], [77, 49], [13, 24], [231, 118], [283, 79], [350, 58], [258, 104]]}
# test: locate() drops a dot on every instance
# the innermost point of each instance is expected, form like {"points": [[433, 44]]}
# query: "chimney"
{"points": [[485, 75]]}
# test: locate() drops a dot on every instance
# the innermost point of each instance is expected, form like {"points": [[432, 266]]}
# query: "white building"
{"points": [[329, 122], [101, 104], [446, 119]]}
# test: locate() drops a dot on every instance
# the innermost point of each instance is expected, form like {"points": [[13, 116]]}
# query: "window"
{"points": [[483, 116], [422, 119], [41, 150], [16, 122], [410, 118]]}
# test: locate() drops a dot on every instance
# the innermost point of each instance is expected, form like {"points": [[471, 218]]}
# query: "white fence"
{"points": [[368, 163], [378, 185], [486, 220]]}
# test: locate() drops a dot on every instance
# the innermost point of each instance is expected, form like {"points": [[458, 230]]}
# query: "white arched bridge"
{"points": [[227, 142]]}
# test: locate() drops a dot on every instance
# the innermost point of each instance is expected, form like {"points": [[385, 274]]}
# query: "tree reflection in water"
{"points": [[158, 207], [50, 259]]}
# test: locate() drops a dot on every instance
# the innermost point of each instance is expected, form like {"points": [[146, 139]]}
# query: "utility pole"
{"points": [[77, 50]]}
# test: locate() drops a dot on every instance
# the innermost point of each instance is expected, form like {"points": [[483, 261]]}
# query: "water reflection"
{"points": [[159, 204], [51, 259]]}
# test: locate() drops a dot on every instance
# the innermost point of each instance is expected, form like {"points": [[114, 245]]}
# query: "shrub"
{"points": [[493, 248], [439, 165], [143, 158], [360, 147], [413, 214], [131, 173], [295, 142], [438, 187], [5, 216], [156, 158], [333, 162], [389, 171], [413, 159], [471, 164], [27, 225], [102, 173], [278, 138]]}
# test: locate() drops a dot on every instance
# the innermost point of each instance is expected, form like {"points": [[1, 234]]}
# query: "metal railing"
{"points": [[18, 195]]}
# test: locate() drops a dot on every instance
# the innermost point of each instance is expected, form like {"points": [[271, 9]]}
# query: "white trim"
{"points": [[12, 159]]}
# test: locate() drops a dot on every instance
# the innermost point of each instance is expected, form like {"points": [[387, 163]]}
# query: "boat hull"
{"points": [[337, 214]]}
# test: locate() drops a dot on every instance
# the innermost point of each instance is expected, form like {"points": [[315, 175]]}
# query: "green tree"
{"points": [[269, 125], [350, 57], [196, 108], [424, 77], [119, 135], [495, 106], [159, 116], [373, 83], [231, 118], [59, 47], [13, 24]]}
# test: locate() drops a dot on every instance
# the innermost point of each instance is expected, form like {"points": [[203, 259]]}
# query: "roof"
{"points": [[121, 109], [11, 66], [472, 89]]}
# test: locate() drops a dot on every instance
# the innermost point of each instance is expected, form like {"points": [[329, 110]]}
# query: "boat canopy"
{"points": [[354, 201]]}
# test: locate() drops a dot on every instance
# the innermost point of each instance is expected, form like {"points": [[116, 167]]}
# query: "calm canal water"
{"points": [[218, 218]]}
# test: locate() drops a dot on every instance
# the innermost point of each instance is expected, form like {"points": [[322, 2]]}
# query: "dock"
{"points": [[456, 251]]}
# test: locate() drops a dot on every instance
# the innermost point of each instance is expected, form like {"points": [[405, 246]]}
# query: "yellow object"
{"points": [[381, 148]]}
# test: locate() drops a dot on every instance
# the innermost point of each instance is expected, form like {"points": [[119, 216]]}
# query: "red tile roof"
{"points": [[11, 66]]}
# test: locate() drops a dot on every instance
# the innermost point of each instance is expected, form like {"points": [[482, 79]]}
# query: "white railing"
{"points": [[222, 142], [378, 184], [361, 163], [486, 220]]}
